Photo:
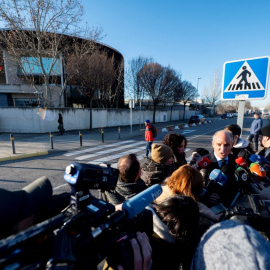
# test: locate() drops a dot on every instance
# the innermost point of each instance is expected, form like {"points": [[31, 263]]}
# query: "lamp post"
{"points": [[197, 94]]}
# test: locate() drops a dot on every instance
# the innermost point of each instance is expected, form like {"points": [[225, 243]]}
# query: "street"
{"points": [[17, 174]]}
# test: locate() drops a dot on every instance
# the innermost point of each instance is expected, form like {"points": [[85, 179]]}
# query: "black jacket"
{"points": [[155, 173], [124, 191], [231, 187]]}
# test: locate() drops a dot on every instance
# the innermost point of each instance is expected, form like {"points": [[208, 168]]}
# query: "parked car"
{"points": [[196, 119], [224, 116]]}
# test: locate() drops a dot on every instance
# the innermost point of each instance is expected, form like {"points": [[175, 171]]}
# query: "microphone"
{"points": [[257, 170], [204, 163], [257, 159], [240, 161], [218, 176], [137, 203], [204, 173], [241, 175]]}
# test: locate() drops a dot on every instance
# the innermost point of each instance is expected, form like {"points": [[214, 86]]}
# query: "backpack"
{"points": [[154, 131]]}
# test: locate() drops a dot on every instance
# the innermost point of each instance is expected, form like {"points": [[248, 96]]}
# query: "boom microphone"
{"points": [[218, 176], [137, 203], [204, 163], [240, 161]]}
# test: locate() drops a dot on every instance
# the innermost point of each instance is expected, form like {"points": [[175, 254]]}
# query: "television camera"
{"points": [[87, 231]]}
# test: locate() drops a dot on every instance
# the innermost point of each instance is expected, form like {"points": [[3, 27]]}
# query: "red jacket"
{"points": [[149, 133]]}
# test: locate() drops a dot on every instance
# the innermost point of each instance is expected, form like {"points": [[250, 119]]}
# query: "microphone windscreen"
{"points": [[137, 203], [245, 154], [204, 163], [257, 159], [257, 170], [218, 176], [240, 161], [204, 173], [241, 174]]}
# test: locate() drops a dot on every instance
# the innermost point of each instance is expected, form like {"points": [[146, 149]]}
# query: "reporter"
{"points": [[189, 182], [178, 144]]}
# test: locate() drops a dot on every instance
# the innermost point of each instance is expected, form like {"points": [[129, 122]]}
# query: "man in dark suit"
{"points": [[222, 159]]}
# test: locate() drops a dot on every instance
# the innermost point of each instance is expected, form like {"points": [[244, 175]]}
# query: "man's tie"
{"points": [[222, 163]]}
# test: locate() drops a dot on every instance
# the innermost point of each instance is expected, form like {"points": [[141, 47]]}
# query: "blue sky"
{"points": [[195, 37]]}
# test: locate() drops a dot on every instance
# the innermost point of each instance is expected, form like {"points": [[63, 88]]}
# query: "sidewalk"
{"points": [[31, 145]]}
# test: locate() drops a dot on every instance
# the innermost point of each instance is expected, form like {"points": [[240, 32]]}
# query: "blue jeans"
{"points": [[148, 148], [256, 139]]}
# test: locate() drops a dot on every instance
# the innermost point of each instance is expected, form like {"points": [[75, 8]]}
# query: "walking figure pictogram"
{"points": [[244, 74]]}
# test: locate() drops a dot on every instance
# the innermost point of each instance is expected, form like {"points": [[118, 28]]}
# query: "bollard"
{"points": [[102, 135], [12, 143], [80, 134], [51, 139], [119, 131]]}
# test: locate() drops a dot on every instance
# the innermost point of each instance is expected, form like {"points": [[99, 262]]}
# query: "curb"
{"points": [[21, 156]]}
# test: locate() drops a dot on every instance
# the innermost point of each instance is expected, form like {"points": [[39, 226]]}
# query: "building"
{"points": [[22, 76]]}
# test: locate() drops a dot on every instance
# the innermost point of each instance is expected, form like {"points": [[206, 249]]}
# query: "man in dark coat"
{"points": [[221, 158], [129, 182]]}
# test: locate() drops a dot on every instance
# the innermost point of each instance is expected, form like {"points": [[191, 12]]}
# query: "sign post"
{"points": [[245, 79], [131, 106]]}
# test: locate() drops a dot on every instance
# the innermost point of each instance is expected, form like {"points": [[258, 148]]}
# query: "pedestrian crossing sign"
{"points": [[245, 79]]}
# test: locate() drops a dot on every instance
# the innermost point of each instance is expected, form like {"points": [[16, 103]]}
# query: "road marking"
{"points": [[97, 148], [109, 151]]}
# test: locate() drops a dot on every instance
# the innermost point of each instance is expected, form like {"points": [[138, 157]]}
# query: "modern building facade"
{"points": [[16, 91]]}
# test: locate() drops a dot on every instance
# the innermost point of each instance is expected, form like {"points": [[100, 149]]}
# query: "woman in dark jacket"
{"points": [[178, 144]]}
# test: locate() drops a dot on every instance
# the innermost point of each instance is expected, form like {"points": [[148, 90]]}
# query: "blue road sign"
{"points": [[245, 79]]}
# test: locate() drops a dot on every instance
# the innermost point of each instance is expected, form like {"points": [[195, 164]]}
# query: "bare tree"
{"points": [[185, 92], [158, 82], [213, 94], [95, 73], [36, 34], [135, 89], [248, 105]]}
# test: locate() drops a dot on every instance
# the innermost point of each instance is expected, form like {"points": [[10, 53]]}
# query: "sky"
{"points": [[194, 37]]}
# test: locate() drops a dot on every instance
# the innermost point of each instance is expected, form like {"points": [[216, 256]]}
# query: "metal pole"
{"points": [[51, 139], [102, 135], [119, 132], [197, 94], [12, 143], [80, 134], [130, 119]]}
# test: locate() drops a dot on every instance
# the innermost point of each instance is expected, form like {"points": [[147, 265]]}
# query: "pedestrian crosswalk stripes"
{"points": [[106, 159], [110, 153], [97, 148]]}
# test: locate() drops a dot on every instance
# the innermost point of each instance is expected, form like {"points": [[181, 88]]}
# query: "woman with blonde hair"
{"points": [[189, 182]]}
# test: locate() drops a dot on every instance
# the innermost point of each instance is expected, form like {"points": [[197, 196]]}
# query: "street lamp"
{"points": [[197, 94]]}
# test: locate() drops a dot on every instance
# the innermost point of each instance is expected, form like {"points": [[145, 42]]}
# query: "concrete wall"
{"points": [[37, 120]]}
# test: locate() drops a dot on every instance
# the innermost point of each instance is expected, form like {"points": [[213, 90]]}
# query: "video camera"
{"points": [[87, 231], [251, 210]]}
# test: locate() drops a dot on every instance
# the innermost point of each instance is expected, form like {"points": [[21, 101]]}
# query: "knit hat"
{"points": [[147, 121], [265, 131], [231, 245], [161, 153]]}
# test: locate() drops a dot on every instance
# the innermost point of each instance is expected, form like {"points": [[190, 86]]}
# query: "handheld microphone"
{"points": [[218, 176], [257, 159], [240, 161], [204, 163], [137, 203], [257, 170], [241, 175]]}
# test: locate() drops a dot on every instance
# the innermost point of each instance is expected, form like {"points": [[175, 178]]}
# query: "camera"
{"points": [[87, 231], [252, 210]]}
